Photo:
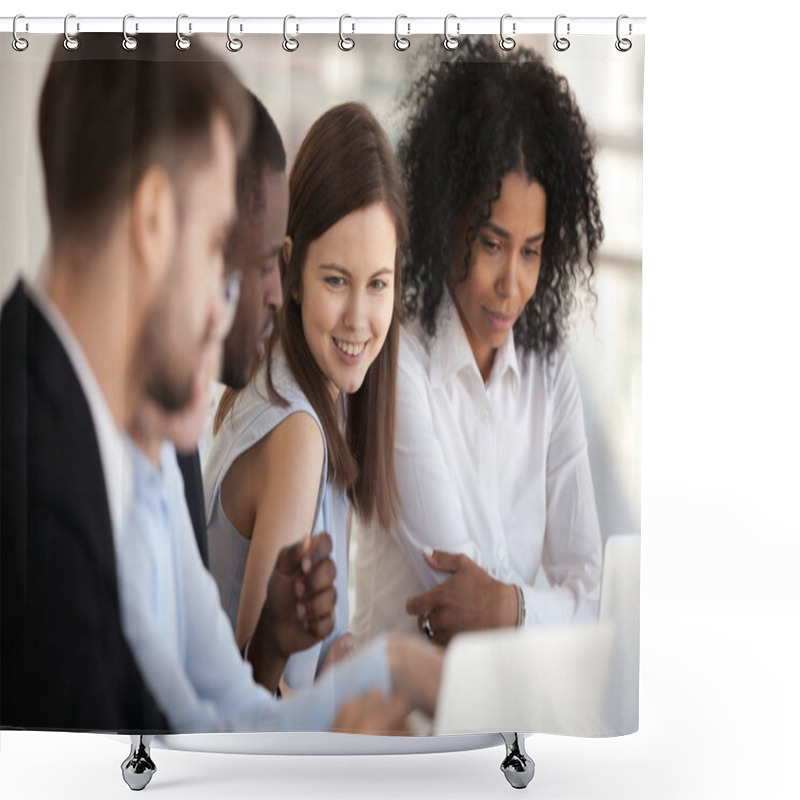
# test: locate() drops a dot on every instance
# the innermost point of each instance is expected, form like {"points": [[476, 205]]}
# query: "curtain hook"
{"points": [[451, 42], [290, 44], [561, 43], [233, 44], [18, 43], [401, 42], [507, 42], [345, 42], [182, 43], [128, 42], [623, 45], [70, 42]]}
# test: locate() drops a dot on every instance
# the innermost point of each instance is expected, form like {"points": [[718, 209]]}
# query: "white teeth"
{"points": [[350, 348]]}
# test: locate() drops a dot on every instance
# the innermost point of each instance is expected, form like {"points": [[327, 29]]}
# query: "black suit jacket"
{"points": [[64, 663]]}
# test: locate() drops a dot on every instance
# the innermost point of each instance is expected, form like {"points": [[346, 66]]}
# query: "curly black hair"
{"points": [[473, 118]]}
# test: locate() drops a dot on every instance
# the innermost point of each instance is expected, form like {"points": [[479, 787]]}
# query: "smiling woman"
{"points": [[348, 295], [312, 431]]}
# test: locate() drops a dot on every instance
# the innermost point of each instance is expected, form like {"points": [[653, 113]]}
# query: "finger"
{"points": [[443, 561], [290, 557], [322, 577], [321, 604], [346, 643], [322, 627], [422, 603], [321, 547], [432, 624]]}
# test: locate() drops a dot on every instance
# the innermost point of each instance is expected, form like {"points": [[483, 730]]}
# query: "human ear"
{"points": [[286, 252], [154, 228], [286, 255]]}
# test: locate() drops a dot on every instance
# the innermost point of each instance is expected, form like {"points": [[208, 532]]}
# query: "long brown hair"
{"points": [[344, 164]]}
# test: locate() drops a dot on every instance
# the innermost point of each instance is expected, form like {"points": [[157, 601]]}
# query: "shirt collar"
{"points": [[451, 351]]}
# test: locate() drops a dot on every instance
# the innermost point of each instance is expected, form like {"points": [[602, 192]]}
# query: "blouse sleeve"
{"points": [[572, 552], [434, 517]]}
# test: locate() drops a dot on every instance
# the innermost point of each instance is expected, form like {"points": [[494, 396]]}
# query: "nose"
{"points": [[224, 304], [273, 290], [356, 311], [508, 275]]}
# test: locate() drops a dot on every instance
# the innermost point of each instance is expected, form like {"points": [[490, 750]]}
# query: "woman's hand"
{"points": [[469, 600]]}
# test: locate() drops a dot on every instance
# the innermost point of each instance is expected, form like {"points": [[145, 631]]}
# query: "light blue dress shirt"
{"points": [[181, 638]]}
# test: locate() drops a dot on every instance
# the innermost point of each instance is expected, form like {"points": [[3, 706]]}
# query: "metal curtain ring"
{"points": [[400, 42], [128, 42], [506, 42], [233, 44], [345, 42], [290, 44], [181, 42], [561, 43], [70, 42], [450, 42], [623, 45], [18, 43]]}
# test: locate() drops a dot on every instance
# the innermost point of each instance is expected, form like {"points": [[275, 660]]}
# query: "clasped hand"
{"points": [[469, 600], [299, 609]]}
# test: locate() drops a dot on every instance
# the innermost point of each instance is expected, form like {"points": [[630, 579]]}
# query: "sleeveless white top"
{"points": [[252, 417]]}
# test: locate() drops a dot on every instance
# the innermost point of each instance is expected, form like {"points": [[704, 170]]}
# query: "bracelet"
{"points": [[520, 606]]}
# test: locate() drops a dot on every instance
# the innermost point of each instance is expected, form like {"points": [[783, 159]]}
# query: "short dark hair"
{"points": [[474, 117], [264, 150], [106, 115]]}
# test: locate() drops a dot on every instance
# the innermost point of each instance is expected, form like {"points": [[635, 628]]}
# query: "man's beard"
{"points": [[237, 368], [163, 384]]}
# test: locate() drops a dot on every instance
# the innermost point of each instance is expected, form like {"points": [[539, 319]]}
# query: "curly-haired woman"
{"points": [[490, 449]]}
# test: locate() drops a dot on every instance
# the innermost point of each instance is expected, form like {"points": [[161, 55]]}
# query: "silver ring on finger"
{"points": [[426, 626]]}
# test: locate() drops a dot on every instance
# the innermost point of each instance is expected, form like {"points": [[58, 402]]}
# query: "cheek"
{"points": [[382, 317], [532, 283], [319, 314]]}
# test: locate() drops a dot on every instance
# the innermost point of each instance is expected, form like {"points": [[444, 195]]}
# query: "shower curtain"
{"points": [[565, 660]]}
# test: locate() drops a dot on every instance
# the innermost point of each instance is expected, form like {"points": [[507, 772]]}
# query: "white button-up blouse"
{"points": [[497, 471]]}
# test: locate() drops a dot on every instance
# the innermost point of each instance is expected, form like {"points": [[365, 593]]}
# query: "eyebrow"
{"points": [[504, 234], [346, 273]]}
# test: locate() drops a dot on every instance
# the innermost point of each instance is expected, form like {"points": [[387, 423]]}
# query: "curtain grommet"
{"points": [[451, 42], [560, 43], [233, 44], [345, 42], [71, 42], [623, 44], [128, 42], [401, 43], [181, 42], [290, 43], [17, 42], [507, 42]]}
